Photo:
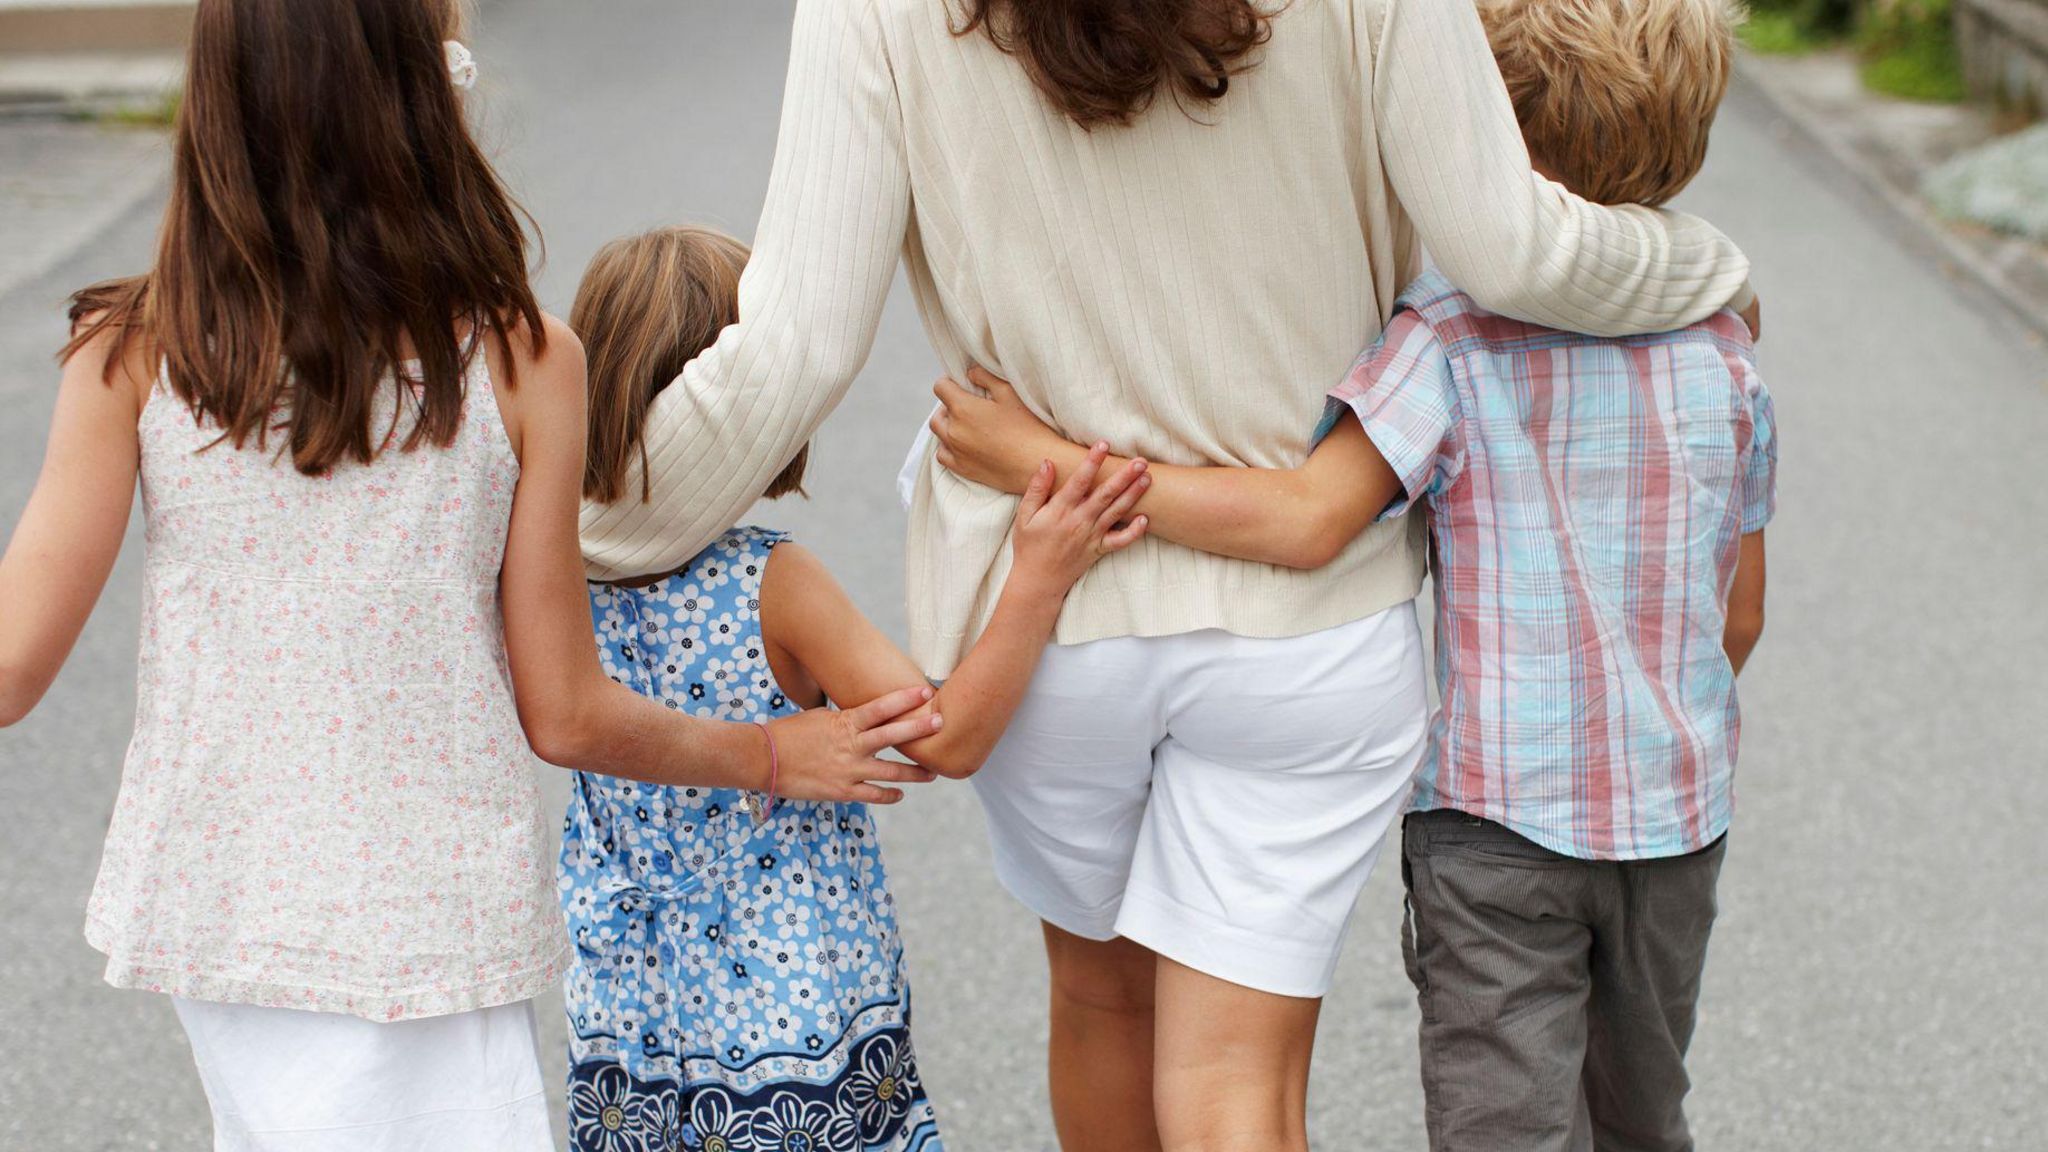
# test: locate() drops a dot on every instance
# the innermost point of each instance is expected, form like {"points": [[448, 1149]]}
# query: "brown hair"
{"points": [[1615, 97], [647, 306], [327, 204], [1103, 61]]}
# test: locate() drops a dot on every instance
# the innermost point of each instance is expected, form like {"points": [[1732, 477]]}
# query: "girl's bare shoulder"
{"points": [[537, 372], [112, 356]]}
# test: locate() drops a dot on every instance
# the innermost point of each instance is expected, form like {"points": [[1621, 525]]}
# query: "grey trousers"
{"points": [[1557, 994]]}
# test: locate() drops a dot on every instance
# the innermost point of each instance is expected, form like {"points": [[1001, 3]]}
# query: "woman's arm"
{"points": [[830, 237], [62, 551], [809, 619], [1521, 245], [577, 718], [1297, 518]]}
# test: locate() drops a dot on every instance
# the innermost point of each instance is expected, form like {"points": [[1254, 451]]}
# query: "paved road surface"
{"points": [[1876, 979]]}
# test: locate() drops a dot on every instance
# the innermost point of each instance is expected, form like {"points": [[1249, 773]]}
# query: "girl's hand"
{"points": [[830, 755], [993, 440], [1060, 535]]}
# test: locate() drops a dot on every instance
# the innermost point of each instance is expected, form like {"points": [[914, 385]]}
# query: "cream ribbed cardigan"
{"points": [[1185, 288]]}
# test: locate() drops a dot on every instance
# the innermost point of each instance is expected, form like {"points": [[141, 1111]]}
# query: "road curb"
{"points": [[78, 58], [1965, 257]]}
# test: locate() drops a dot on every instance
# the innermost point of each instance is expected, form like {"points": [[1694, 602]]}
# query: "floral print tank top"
{"points": [[328, 802]]}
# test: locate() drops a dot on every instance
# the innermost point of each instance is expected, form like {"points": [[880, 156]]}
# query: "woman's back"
{"points": [[1159, 284], [1185, 286], [1180, 287], [329, 802]]}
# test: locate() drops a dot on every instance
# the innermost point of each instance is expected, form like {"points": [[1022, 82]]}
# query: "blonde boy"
{"points": [[1598, 600]]}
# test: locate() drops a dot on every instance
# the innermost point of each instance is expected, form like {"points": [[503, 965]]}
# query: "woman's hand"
{"points": [[831, 755], [993, 440], [1060, 535]]}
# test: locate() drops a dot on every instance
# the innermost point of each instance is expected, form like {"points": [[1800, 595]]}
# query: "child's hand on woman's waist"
{"points": [[1060, 534], [994, 439]]}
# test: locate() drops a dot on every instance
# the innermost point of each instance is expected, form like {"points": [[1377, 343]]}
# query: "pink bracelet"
{"points": [[774, 770]]}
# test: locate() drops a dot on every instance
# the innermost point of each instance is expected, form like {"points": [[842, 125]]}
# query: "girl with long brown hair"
{"points": [[360, 449], [1172, 224]]}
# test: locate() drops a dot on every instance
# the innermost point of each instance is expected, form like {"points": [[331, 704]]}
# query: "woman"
{"points": [[1173, 223]]}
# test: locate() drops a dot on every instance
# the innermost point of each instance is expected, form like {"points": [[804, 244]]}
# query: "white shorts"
{"points": [[1218, 799], [285, 1080]]}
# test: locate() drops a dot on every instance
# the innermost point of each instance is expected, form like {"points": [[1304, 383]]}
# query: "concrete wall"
{"points": [[2004, 45], [99, 27]]}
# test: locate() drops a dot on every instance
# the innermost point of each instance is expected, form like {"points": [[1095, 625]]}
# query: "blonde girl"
{"points": [[738, 979]]}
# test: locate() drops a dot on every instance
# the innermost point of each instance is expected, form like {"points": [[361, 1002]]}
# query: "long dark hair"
{"points": [[1104, 61], [327, 203]]}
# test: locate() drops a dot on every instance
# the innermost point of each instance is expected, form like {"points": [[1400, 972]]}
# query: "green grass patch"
{"points": [[1910, 52], [159, 113], [1907, 47], [1781, 34], [1916, 73]]}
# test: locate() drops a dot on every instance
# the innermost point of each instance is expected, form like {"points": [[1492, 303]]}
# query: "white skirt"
{"points": [[285, 1080]]}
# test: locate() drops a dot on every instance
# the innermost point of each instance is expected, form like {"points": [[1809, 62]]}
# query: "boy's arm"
{"points": [[1389, 448], [807, 615], [1294, 517], [1759, 503], [1745, 603]]}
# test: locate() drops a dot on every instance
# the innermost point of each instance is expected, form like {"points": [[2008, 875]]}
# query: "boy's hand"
{"points": [[1060, 535], [831, 755], [994, 440]]}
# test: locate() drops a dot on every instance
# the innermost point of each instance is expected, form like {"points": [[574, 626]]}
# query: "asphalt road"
{"points": [[1877, 978]]}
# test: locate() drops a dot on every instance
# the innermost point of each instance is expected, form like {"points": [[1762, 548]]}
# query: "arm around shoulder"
{"points": [[1519, 244], [827, 247]]}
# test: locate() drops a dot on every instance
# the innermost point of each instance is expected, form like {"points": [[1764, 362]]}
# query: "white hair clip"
{"points": [[461, 65]]}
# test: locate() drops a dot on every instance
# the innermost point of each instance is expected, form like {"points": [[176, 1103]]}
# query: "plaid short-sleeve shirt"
{"points": [[1588, 499]]}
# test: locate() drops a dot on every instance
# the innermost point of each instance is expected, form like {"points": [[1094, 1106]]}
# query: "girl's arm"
{"points": [[810, 621], [64, 548], [577, 718], [1295, 517]]}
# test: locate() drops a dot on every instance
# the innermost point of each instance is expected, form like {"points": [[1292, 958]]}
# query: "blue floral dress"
{"points": [[737, 986]]}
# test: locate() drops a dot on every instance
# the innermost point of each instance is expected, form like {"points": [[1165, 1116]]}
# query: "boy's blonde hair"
{"points": [[647, 306], [1615, 96]]}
